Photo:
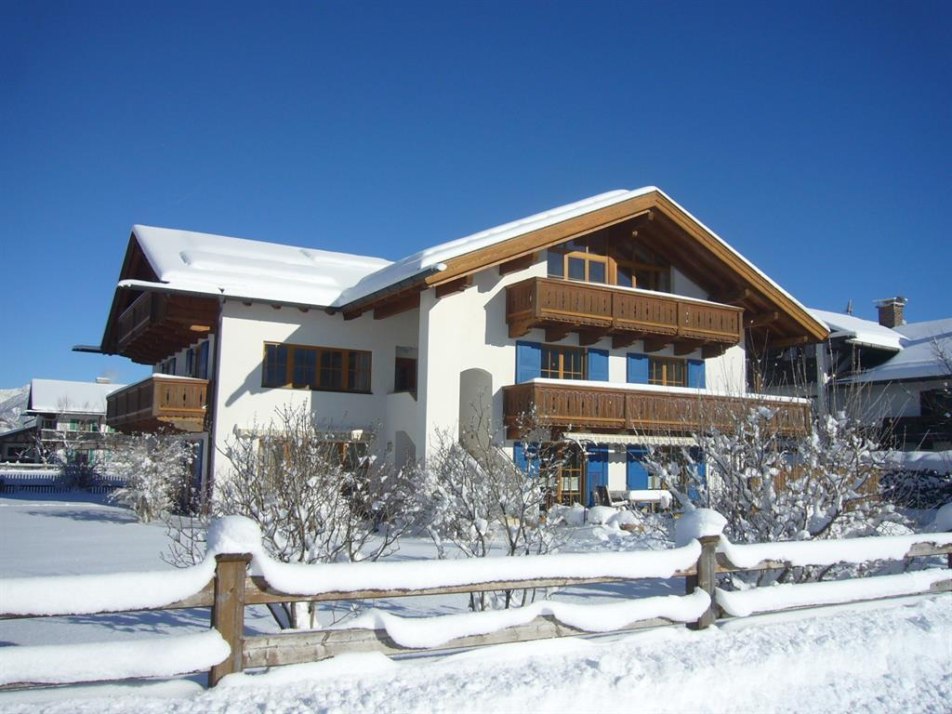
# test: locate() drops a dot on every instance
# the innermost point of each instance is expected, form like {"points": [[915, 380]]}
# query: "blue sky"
{"points": [[816, 138]]}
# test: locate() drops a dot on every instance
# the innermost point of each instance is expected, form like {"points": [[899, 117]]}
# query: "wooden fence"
{"points": [[232, 589]]}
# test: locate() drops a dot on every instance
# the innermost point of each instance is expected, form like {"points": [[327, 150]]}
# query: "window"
{"points": [[324, 368], [595, 260], [667, 371], [405, 375], [201, 364], [574, 261], [167, 366], [560, 362], [275, 370]]}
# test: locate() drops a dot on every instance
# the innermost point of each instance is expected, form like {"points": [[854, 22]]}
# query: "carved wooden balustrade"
{"points": [[567, 405], [159, 401], [595, 311]]}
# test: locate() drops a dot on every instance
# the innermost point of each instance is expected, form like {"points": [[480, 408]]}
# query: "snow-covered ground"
{"points": [[894, 656]]}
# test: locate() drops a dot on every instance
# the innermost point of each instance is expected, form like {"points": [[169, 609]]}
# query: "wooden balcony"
{"points": [[595, 311], [159, 402], [567, 405], [157, 325]]}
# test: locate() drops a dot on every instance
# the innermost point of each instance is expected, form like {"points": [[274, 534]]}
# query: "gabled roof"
{"points": [[926, 354], [49, 396], [434, 260], [218, 266], [857, 331]]}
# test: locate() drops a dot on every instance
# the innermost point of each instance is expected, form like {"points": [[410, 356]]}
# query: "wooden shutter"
{"points": [[637, 474], [528, 361], [696, 376], [637, 369], [598, 365]]}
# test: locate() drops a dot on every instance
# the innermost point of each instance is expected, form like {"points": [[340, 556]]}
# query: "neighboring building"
{"points": [[614, 322], [886, 372], [62, 418]]}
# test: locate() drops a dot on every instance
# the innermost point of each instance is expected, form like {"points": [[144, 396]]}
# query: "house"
{"points": [[64, 418], [885, 371], [599, 327]]}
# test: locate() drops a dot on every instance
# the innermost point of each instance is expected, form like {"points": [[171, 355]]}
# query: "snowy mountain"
{"points": [[12, 404]]}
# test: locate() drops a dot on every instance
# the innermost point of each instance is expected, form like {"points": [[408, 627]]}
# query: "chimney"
{"points": [[890, 311]]}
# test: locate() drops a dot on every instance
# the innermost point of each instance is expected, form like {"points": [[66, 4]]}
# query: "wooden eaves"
{"points": [[770, 312]]}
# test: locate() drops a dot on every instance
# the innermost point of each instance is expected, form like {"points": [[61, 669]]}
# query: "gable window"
{"points": [[323, 368], [667, 371], [560, 362], [578, 260], [595, 260]]}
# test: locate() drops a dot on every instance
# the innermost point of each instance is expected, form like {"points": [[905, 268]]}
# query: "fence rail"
{"points": [[44, 478], [231, 589]]}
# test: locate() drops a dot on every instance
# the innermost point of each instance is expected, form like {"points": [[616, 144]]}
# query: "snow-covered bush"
{"points": [[155, 470], [476, 499], [317, 499], [774, 487]]}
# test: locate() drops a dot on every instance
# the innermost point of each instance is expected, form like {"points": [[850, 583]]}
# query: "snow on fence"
{"points": [[33, 477], [47, 478], [237, 573]]}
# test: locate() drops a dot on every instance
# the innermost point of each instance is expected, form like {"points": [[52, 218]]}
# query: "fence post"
{"points": [[228, 611], [705, 579]]}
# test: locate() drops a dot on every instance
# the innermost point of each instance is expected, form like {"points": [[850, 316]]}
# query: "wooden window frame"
{"points": [[660, 280], [669, 367], [354, 377], [561, 370]]}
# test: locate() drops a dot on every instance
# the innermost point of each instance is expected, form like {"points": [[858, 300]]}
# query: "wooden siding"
{"points": [[562, 304], [157, 402], [583, 407]]}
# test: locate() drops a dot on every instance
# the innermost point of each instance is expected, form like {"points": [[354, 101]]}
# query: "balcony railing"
{"points": [[567, 405], [159, 401], [625, 314], [157, 325]]}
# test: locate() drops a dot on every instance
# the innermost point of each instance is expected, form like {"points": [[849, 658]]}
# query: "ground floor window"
{"points": [[560, 467]]}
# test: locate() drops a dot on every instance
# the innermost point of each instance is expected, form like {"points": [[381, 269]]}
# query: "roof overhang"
{"points": [[732, 279]]}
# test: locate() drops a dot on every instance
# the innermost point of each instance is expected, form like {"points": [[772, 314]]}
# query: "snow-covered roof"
{"points": [[433, 257], [210, 264], [235, 267], [63, 397], [926, 354], [859, 331]]}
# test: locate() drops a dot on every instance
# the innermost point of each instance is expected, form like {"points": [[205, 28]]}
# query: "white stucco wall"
{"points": [[241, 401], [872, 402], [468, 330], [458, 332]]}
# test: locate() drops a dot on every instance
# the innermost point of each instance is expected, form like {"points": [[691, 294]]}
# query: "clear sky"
{"points": [[816, 138]]}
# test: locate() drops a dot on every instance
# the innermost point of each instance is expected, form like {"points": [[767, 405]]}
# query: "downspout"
{"points": [[213, 404]]}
